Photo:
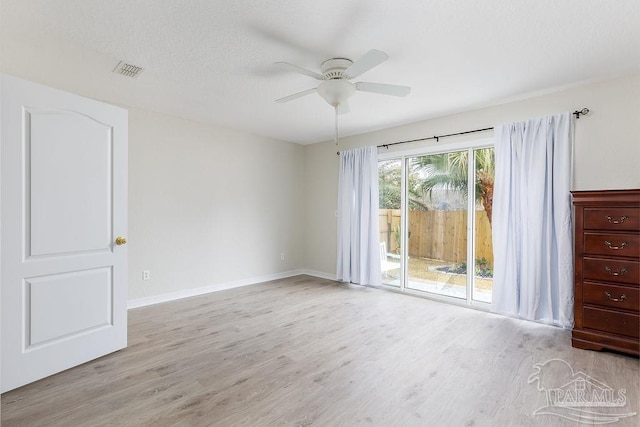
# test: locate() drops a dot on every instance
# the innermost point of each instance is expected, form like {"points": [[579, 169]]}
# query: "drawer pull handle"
{"points": [[622, 297], [615, 248], [616, 273], [614, 221]]}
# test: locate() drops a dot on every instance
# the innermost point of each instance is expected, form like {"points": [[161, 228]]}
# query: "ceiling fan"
{"points": [[336, 74]]}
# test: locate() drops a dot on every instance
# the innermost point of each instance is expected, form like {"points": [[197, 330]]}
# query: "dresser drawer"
{"points": [[610, 270], [611, 321], [615, 296], [624, 219], [624, 245]]}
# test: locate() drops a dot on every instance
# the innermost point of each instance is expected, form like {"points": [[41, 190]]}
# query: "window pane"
{"points": [[484, 178], [390, 183], [437, 244]]}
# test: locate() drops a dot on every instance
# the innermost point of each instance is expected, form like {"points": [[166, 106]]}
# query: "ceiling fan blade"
{"points": [[300, 70], [343, 108], [297, 95], [384, 89], [366, 62]]}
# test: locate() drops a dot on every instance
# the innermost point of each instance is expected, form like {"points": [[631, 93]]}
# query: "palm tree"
{"points": [[449, 171]]}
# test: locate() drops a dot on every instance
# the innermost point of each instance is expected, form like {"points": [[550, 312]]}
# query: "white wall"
{"points": [[607, 149], [209, 205]]}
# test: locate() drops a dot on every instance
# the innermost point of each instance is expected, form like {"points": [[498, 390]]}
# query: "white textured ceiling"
{"points": [[212, 60]]}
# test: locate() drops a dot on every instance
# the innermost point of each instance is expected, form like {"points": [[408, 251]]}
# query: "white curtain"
{"points": [[358, 228], [532, 231]]}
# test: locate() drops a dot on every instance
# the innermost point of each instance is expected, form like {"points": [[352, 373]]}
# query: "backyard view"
{"points": [[437, 194]]}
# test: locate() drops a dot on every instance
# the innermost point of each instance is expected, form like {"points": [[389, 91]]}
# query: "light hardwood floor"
{"points": [[306, 351]]}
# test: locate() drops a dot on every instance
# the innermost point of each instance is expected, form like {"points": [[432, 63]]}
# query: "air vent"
{"points": [[128, 70]]}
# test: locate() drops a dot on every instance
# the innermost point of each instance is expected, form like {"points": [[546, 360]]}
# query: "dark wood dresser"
{"points": [[607, 270]]}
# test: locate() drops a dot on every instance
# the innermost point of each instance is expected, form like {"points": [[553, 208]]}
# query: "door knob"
{"points": [[121, 241]]}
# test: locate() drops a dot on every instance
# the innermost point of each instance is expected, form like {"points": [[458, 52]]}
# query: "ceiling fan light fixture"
{"points": [[336, 91]]}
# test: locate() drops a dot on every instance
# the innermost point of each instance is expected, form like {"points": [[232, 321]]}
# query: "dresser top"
{"points": [[627, 197]]}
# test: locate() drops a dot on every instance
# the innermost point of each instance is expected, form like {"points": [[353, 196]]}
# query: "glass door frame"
{"points": [[404, 156]]}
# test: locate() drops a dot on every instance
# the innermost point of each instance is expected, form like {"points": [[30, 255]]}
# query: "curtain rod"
{"points": [[577, 113]]}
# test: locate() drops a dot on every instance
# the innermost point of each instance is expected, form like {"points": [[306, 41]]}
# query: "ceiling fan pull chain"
{"points": [[336, 112]]}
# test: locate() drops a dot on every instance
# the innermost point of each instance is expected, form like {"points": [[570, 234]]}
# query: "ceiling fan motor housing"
{"points": [[334, 68]]}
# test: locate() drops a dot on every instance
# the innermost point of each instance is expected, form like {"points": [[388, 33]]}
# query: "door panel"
{"points": [[68, 183], [63, 166], [84, 303]]}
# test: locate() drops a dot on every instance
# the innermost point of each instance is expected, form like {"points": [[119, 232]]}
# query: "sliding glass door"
{"points": [[437, 219], [483, 177], [390, 187], [435, 223]]}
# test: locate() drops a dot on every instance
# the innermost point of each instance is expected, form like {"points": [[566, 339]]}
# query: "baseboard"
{"points": [[319, 274], [157, 299]]}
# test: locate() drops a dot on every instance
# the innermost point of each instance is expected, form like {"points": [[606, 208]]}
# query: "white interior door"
{"points": [[63, 194]]}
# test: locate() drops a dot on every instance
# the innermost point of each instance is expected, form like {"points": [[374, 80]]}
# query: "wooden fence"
{"points": [[440, 235]]}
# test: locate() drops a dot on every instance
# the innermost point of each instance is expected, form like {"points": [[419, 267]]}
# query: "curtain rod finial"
{"points": [[582, 112]]}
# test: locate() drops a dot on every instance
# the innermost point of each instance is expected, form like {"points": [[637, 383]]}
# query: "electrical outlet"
{"points": [[146, 275], [282, 256]]}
